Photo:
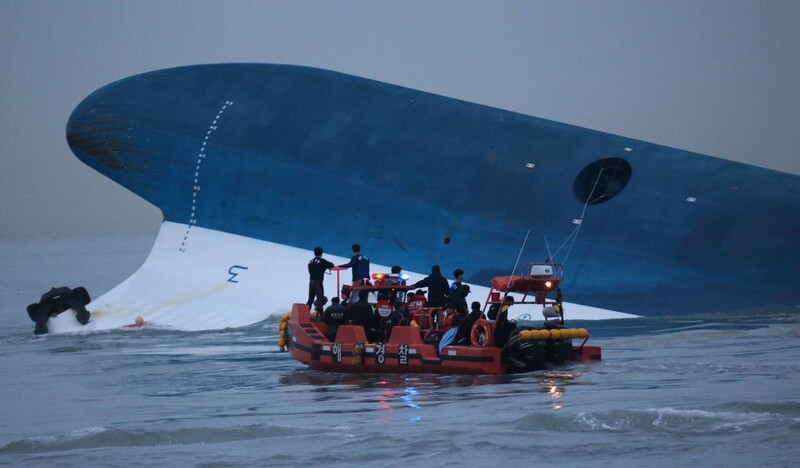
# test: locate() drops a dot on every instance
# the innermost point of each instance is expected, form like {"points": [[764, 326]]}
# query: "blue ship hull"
{"points": [[304, 157]]}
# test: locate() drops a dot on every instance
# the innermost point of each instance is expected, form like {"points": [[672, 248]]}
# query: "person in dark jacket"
{"points": [[399, 315], [503, 327], [457, 300], [334, 316], [475, 313], [465, 327], [359, 265], [347, 291], [361, 313], [316, 273], [437, 287]]}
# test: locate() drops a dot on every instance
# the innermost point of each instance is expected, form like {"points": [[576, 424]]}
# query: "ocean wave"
{"points": [[668, 419], [103, 437]]}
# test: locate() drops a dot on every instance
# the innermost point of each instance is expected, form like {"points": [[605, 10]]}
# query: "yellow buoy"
{"points": [[525, 335], [358, 351], [544, 334], [556, 334], [583, 333], [535, 334]]}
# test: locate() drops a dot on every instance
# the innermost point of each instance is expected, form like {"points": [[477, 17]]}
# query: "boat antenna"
{"points": [[520, 251]]}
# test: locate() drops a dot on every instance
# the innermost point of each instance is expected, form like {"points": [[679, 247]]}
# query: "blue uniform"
{"points": [[360, 266]]}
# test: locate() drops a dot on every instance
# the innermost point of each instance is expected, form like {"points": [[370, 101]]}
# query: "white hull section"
{"points": [[198, 279]]}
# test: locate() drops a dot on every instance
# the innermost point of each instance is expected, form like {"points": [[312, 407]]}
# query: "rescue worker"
{"points": [[359, 265], [504, 327], [334, 316], [347, 290], [416, 300], [437, 287], [396, 270], [361, 313], [457, 300], [475, 312], [319, 305], [465, 327], [398, 316], [316, 273], [458, 274]]}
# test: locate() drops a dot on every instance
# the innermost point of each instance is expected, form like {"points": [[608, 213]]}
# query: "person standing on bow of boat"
{"points": [[316, 273], [359, 265], [437, 287]]}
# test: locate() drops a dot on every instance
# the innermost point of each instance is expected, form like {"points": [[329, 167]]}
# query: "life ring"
{"points": [[481, 326]]}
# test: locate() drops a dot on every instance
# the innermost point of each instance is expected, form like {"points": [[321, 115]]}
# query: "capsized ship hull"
{"points": [[301, 157]]}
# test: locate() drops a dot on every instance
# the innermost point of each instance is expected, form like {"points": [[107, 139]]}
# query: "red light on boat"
{"points": [[378, 275]]}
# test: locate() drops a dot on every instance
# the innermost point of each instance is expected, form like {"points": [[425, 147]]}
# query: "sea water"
{"points": [[711, 391]]}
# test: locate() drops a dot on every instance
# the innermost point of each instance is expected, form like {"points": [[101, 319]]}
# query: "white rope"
{"points": [[583, 213], [520, 252], [549, 254]]}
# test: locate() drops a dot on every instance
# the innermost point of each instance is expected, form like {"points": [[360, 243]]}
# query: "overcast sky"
{"points": [[717, 77]]}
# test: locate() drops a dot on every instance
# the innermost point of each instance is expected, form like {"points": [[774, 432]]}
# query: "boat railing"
{"points": [[537, 281]]}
